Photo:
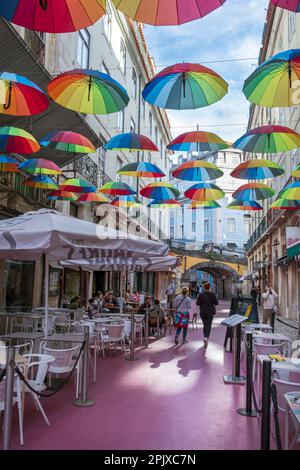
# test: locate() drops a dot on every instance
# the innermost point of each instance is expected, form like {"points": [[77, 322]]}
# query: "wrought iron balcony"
{"points": [[91, 171]]}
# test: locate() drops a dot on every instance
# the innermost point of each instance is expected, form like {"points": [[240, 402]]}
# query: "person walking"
{"points": [[269, 298], [182, 305], [258, 289], [207, 302]]}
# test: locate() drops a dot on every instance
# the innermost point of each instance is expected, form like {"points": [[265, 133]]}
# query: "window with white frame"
{"points": [[172, 232], [83, 48], [194, 215], [143, 108], [206, 226], [172, 218], [156, 136], [123, 56], [246, 224], [231, 225], [134, 82], [108, 21], [119, 165], [120, 123]]}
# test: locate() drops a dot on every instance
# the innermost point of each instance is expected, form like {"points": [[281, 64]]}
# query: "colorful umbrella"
{"points": [[167, 12], [257, 170], [203, 205], [253, 191], [241, 205], [167, 204], [141, 169], [77, 185], [159, 191], [296, 172], [131, 141], [197, 170], [204, 192], [53, 16], [88, 91], [286, 204], [15, 140], [21, 97], [268, 139], [117, 189], [126, 202], [292, 191], [40, 166], [93, 197], [41, 182], [271, 84], [197, 141], [68, 141], [9, 164], [185, 86], [59, 195], [292, 5]]}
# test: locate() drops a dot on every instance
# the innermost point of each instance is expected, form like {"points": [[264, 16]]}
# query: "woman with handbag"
{"points": [[207, 302], [182, 305]]}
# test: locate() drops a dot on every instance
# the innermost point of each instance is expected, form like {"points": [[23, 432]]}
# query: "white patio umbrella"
{"points": [[61, 237]]}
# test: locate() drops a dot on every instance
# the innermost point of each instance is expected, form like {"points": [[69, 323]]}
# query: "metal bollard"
{"points": [[236, 378], [266, 405], [248, 410], [83, 401], [9, 393], [131, 357], [147, 328]]}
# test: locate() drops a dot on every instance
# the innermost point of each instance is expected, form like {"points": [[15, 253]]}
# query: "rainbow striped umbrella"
{"points": [[15, 140], [296, 172], [167, 204], [203, 205], [159, 191], [204, 192], [241, 205], [126, 202], [68, 141], [292, 191], [197, 170], [167, 12], [93, 197], [40, 166], [257, 170], [117, 189], [141, 169], [268, 139], [271, 84], [286, 204], [88, 91], [253, 191], [59, 195], [132, 142], [197, 141], [9, 164], [22, 97], [185, 86], [41, 182], [292, 5], [53, 16], [77, 185]]}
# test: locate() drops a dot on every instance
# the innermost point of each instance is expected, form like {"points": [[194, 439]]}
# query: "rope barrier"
{"points": [[275, 414]]}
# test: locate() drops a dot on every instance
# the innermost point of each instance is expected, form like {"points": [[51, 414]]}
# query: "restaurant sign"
{"points": [[292, 241]]}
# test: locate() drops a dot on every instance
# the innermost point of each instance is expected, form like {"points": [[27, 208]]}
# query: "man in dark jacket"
{"points": [[207, 302]]}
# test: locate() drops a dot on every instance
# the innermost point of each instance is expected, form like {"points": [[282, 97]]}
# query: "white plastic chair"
{"points": [[22, 324], [260, 349], [296, 438], [17, 400], [112, 335], [62, 322]]}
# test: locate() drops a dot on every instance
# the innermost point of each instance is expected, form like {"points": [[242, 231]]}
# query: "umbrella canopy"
{"points": [[141, 169], [257, 170], [126, 202], [15, 140], [167, 12], [203, 205], [117, 189], [167, 204], [41, 182], [185, 86], [296, 172], [253, 191], [88, 91], [68, 141], [59, 195], [160, 191], [268, 139], [292, 5], [271, 84], [52, 16], [197, 141], [292, 191], [93, 197], [22, 97], [9, 164], [204, 192], [77, 185], [40, 166], [286, 204], [197, 170], [241, 205], [132, 142]]}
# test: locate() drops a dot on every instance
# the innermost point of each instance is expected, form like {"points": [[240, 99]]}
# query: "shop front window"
{"points": [[19, 281]]}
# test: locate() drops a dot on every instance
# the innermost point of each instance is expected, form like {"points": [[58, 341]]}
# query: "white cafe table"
{"points": [[36, 317], [256, 326], [292, 413]]}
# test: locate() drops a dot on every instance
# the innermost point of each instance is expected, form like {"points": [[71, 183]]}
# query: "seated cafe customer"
{"points": [[110, 302], [145, 305], [75, 303], [92, 307]]}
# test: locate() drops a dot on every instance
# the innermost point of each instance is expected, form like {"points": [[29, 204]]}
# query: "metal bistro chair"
{"points": [[112, 335]]}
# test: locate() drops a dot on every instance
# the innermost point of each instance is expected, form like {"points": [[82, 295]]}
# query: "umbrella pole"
{"points": [[46, 293], [74, 165]]}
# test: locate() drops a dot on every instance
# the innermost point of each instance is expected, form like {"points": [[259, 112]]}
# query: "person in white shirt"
{"points": [[269, 298]]}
